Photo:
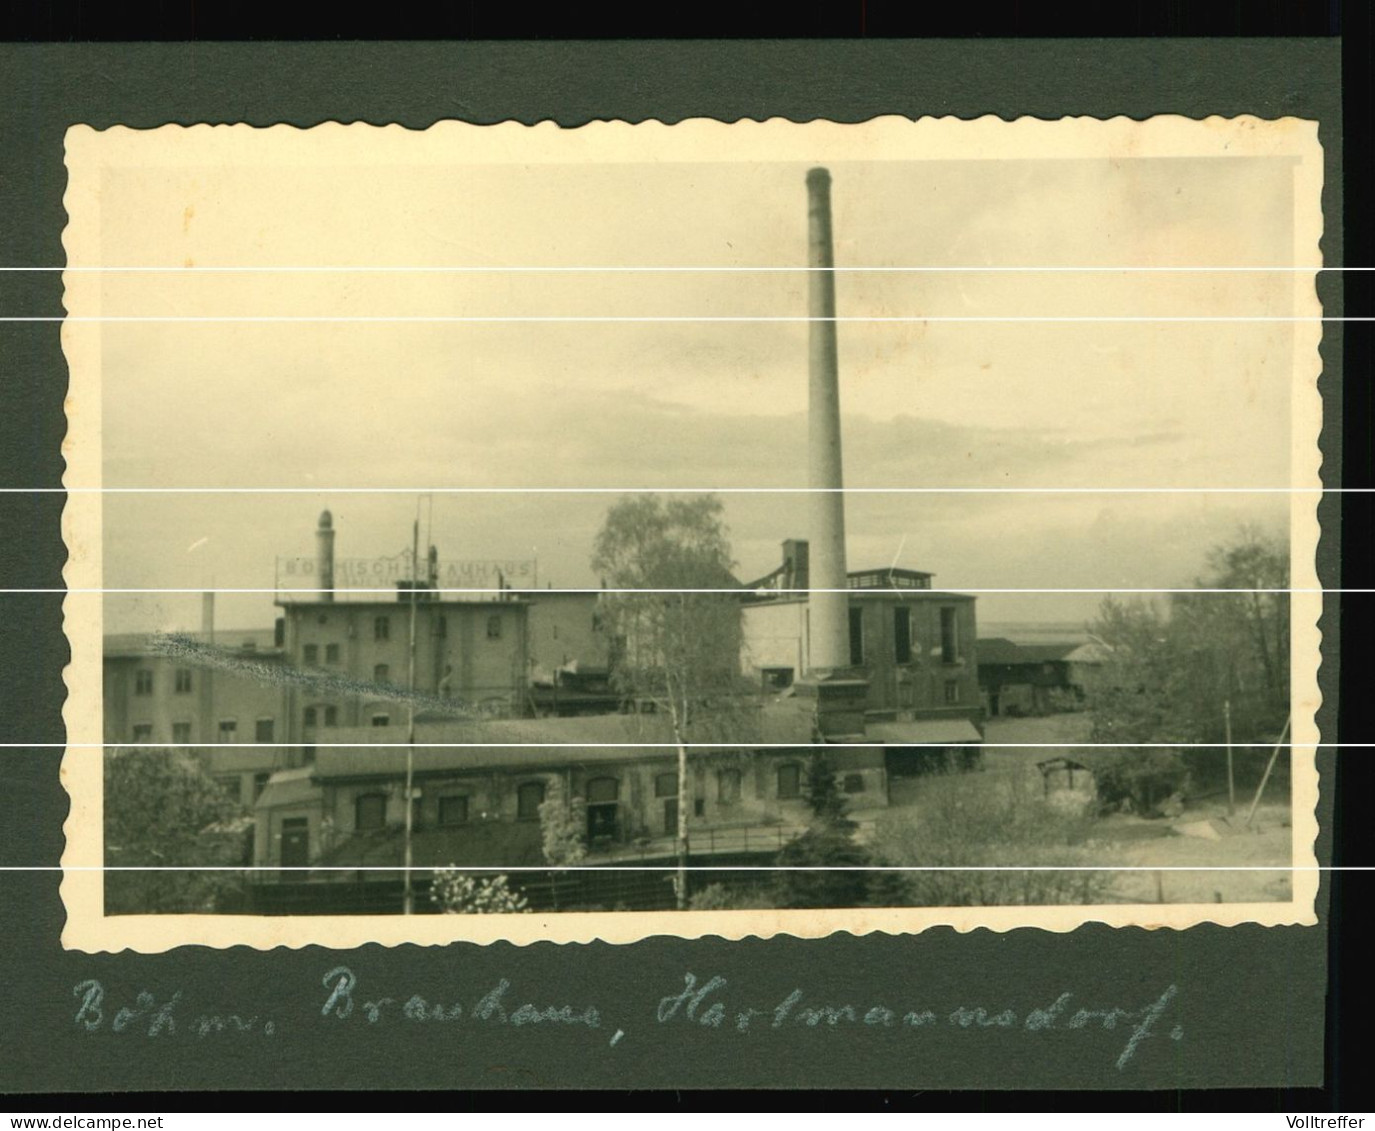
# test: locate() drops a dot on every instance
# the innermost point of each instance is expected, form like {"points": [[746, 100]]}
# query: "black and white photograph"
{"points": [[531, 533]]}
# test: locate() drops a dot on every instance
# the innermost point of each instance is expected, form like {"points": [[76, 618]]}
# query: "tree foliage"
{"points": [[457, 893], [162, 809], [969, 823], [676, 643], [676, 647], [563, 832], [1174, 673], [825, 859]]}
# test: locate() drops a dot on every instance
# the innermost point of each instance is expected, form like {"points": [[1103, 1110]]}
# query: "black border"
{"points": [[1263, 984]]}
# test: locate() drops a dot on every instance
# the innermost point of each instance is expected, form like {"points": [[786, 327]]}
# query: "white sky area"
{"points": [[658, 404]]}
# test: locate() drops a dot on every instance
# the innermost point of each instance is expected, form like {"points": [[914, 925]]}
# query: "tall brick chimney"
{"points": [[829, 647]]}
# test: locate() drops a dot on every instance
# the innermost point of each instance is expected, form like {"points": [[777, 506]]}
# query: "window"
{"points": [[310, 716], [381, 628], [181, 733], [229, 783], [308, 755], [182, 681], [856, 637], [952, 692], [950, 637], [259, 784], [603, 791], [441, 626], [310, 654], [529, 798], [331, 716], [902, 635], [453, 810], [263, 730], [143, 682], [331, 653], [370, 812], [728, 787], [381, 720], [381, 673], [854, 783], [666, 785], [494, 628], [229, 730], [143, 732], [699, 807], [789, 781]]}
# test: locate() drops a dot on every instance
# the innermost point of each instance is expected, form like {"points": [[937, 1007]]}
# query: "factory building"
{"points": [[155, 696]]}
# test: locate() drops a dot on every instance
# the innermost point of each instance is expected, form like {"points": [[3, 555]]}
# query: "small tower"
{"points": [[324, 555]]}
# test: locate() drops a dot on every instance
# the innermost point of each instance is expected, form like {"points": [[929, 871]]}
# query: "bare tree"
{"points": [[675, 624]]}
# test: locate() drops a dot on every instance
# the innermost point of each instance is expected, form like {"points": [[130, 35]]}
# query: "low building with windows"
{"points": [[154, 696], [477, 802]]}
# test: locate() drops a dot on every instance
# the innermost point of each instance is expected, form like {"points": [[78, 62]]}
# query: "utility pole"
{"points": [[1231, 781], [408, 899]]}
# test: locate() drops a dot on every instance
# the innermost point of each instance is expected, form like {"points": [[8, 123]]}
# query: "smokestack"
{"points": [[829, 616], [208, 618], [324, 555]]}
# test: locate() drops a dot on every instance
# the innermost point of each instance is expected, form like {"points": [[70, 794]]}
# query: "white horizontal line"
{"points": [[684, 490], [987, 744], [650, 269], [944, 590], [668, 869], [674, 318]]}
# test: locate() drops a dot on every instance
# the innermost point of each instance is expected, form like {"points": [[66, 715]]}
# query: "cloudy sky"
{"points": [[426, 405]]}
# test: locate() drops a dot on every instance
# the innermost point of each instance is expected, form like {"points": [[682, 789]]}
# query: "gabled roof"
{"points": [[258, 640]]}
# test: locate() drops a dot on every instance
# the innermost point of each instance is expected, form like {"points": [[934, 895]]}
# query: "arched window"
{"points": [[370, 812], [789, 781], [529, 797]]}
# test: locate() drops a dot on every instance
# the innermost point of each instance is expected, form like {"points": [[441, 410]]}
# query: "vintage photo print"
{"points": [[525, 533]]}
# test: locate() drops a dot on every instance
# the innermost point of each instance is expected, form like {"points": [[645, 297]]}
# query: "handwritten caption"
{"points": [[709, 1003]]}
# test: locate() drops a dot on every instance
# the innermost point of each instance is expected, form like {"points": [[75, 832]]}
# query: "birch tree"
{"points": [[675, 633]]}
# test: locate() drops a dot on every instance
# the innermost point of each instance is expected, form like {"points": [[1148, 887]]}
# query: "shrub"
{"points": [[456, 893], [988, 821]]}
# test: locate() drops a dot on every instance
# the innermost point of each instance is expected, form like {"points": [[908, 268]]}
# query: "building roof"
{"points": [[923, 732], [261, 641], [288, 787], [494, 844], [1001, 650], [535, 743]]}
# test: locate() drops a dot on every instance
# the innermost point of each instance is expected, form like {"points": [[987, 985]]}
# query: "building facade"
{"points": [[480, 804], [154, 695], [915, 647]]}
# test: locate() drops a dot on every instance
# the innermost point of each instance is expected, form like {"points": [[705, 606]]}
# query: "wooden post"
{"points": [[408, 890], [1231, 781], [1270, 765]]}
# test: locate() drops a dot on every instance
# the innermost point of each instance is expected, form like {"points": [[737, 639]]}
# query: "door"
{"points": [[670, 816], [295, 843]]}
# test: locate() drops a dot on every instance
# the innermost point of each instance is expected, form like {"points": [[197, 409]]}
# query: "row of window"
{"points": [[902, 635], [370, 809], [381, 630], [143, 681], [329, 716], [264, 730]]}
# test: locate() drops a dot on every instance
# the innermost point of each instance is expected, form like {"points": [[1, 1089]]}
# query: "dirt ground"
{"points": [[1217, 840]]}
